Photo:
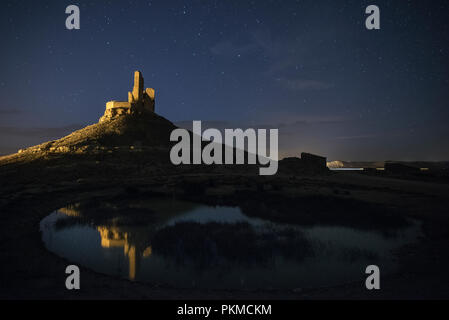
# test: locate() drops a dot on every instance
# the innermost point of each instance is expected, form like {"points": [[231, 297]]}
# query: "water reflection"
{"points": [[182, 244], [114, 238]]}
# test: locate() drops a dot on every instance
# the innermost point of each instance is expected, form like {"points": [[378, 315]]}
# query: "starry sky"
{"points": [[308, 67]]}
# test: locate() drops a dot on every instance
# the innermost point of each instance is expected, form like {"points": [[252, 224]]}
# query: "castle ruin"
{"points": [[139, 101]]}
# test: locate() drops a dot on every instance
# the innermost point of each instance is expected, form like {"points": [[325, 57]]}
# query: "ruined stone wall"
{"points": [[139, 100], [117, 104]]}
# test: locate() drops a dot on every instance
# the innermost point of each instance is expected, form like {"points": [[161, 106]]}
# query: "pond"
{"points": [[181, 244]]}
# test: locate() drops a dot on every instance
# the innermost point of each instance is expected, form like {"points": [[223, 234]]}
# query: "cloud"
{"points": [[257, 41], [232, 124], [219, 124], [9, 111], [362, 136], [282, 56], [41, 132]]}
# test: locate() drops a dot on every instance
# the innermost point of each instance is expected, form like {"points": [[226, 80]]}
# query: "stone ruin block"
{"points": [[130, 97], [117, 104], [150, 93], [148, 99], [138, 86]]}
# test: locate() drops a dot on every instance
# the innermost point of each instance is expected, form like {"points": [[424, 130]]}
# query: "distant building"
{"points": [[308, 163]]}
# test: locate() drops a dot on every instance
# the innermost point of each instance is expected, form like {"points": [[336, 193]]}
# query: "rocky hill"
{"points": [[130, 126]]}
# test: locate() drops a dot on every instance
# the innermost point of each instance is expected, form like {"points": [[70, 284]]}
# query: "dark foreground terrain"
{"points": [[33, 184]]}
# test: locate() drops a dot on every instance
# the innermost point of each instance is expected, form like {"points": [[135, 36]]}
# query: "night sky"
{"points": [[309, 68]]}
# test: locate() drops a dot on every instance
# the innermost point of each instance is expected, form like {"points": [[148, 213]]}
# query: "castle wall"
{"points": [[139, 100], [117, 104]]}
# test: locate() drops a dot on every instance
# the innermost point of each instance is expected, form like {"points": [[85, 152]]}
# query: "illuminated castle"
{"points": [[139, 101]]}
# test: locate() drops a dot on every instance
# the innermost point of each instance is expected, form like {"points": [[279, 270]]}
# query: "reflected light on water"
{"points": [[188, 245]]}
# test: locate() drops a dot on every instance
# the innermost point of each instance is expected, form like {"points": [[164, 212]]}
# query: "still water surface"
{"points": [[187, 245]]}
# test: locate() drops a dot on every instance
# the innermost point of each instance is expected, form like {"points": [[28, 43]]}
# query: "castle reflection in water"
{"points": [[112, 237], [116, 237], [181, 244]]}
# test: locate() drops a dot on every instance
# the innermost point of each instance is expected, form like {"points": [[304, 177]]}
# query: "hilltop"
{"points": [[131, 125], [128, 131]]}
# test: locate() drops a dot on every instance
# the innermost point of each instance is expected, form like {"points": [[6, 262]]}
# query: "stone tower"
{"points": [[137, 93], [140, 100]]}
